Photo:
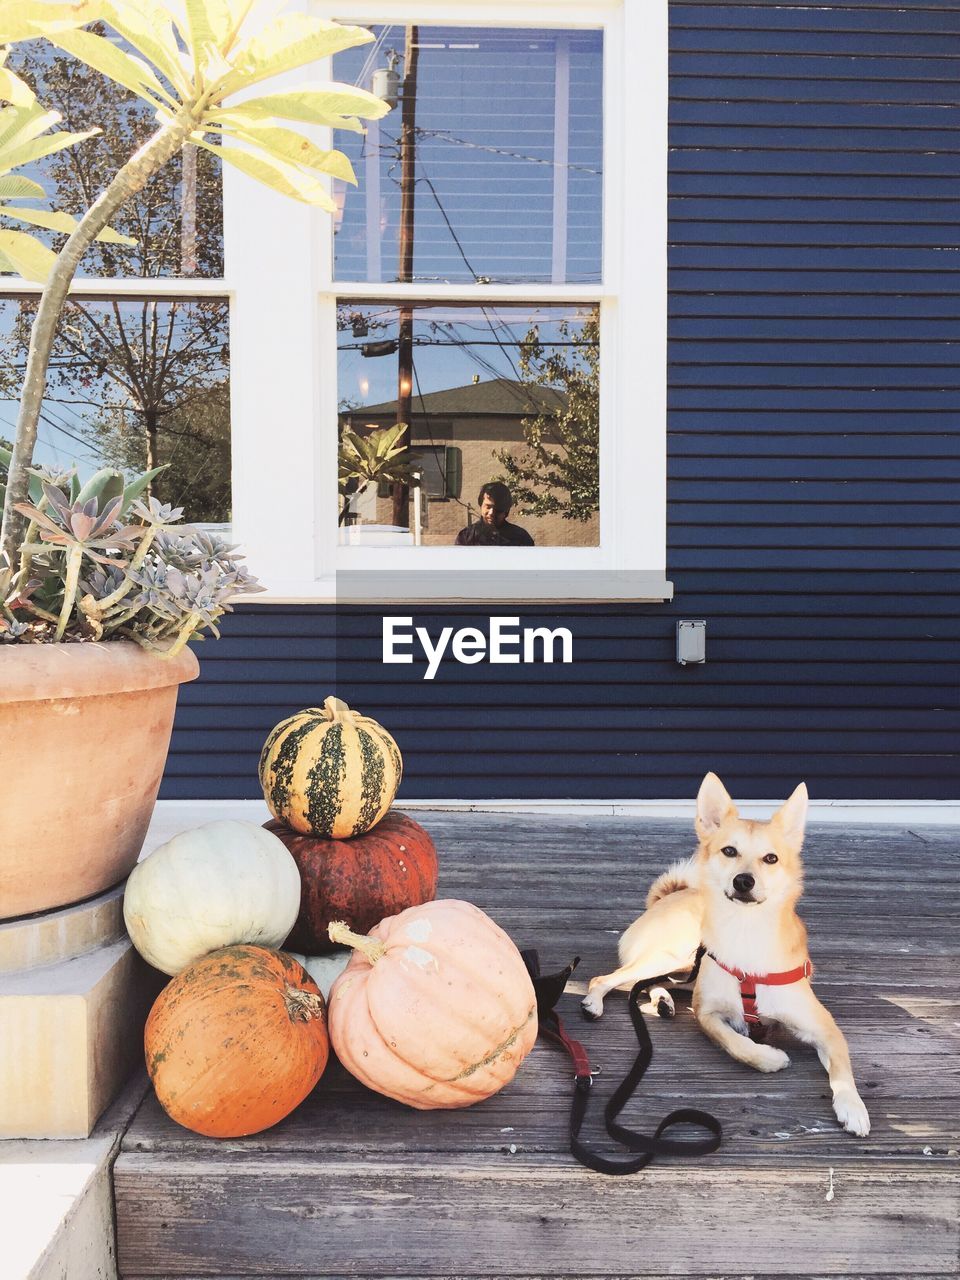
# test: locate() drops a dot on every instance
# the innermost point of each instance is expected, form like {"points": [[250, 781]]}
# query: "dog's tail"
{"points": [[682, 875]]}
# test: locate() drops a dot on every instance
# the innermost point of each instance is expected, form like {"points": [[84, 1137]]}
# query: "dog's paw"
{"points": [[662, 1001], [592, 1007], [767, 1058], [849, 1109]]}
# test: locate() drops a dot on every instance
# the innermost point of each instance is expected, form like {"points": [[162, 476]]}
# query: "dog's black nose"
{"points": [[743, 883]]}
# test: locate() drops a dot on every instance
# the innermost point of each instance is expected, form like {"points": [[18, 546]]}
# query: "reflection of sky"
{"points": [[452, 345], [73, 403], [508, 182]]}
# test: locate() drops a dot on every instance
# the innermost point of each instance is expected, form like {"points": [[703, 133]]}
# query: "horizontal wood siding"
{"points": [[814, 460]]}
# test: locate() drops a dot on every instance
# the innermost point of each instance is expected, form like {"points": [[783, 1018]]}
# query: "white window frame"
{"points": [[283, 345]]}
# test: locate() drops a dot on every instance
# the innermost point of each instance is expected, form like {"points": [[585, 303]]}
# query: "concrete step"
{"points": [[71, 1026], [62, 934], [57, 1199]]}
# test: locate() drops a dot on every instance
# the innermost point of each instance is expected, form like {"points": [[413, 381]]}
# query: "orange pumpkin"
{"points": [[236, 1041], [435, 1008]]}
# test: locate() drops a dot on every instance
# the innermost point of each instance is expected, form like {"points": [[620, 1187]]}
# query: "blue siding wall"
{"points": [[814, 455]]}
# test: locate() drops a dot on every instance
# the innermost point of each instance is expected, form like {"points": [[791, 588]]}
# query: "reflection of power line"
{"points": [[489, 367], [89, 449], [471, 269], [443, 214], [500, 151], [464, 343]]}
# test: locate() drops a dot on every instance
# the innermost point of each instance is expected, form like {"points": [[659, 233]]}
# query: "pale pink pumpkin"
{"points": [[435, 1008]]}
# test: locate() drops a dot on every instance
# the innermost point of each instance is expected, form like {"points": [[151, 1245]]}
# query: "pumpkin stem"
{"points": [[302, 1005], [338, 711], [372, 948]]}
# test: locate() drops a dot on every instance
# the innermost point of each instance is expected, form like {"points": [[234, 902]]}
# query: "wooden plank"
{"points": [[766, 1125], [752, 1275], [492, 1216]]}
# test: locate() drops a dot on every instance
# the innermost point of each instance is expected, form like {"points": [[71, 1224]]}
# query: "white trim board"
{"points": [[178, 815]]}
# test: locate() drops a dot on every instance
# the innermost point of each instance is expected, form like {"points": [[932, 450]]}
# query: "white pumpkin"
{"points": [[215, 886]]}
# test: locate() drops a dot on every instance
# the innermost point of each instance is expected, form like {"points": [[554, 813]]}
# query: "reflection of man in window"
{"points": [[493, 529]]}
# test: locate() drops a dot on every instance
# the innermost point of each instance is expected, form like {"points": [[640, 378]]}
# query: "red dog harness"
{"points": [[750, 981]]}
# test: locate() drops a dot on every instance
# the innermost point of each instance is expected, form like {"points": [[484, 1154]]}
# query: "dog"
{"points": [[737, 897]]}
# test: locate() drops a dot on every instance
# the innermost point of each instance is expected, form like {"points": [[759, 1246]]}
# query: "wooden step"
{"points": [[352, 1184]]}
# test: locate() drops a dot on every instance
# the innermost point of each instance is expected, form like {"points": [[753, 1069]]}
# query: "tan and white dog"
{"points": [[737, 895]]}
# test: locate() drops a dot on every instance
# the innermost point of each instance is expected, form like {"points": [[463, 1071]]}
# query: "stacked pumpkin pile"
{"points": [[434, 1008]]}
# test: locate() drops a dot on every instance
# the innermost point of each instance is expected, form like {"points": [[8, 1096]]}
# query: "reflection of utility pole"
{"points": [[408, 165]]}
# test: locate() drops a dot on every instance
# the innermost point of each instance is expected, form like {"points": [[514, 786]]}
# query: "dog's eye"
{"points": [[770, 858], [729, 851]]}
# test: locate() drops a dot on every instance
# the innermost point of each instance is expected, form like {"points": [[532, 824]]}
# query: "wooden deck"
{"points": [[354, 1185]]}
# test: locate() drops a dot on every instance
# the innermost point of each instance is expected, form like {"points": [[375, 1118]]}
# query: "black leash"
{"points": [[549, 989]]}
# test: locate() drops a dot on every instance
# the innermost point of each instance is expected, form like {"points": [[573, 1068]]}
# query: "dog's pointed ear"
{"points": [[714, 806], [791, 817]]}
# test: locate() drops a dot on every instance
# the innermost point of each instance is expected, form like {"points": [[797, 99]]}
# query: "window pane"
{"points": [[133, 385], [177, 220], [505, 394], [503, 142]]}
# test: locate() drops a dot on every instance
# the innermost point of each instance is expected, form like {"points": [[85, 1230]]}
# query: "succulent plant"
{"points": [[84, 574]]}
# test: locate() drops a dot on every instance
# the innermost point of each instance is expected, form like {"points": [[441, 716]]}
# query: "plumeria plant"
{"points": [[374, 458], [201, 65]]}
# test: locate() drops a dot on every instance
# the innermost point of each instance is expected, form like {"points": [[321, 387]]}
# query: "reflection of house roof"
{"points": [[497, 396]]}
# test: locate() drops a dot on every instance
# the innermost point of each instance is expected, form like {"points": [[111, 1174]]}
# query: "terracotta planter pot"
{"points": [[84, 733]]}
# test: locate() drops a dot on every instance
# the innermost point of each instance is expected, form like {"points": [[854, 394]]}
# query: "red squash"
{"points": [[236, 1041], [358, 881]]}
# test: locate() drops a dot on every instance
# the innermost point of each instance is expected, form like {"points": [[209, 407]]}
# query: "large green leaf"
{"points": [[104, 56], [105, 485], [149, 29], [209, 22], [23, 19], [34, 486], [28, 256], [13, 186], [13, 89], [283, 178], [40, 147], [336, 105], [54, 221], [292, 40], [19, 125], [136, 488], [291, 147]]}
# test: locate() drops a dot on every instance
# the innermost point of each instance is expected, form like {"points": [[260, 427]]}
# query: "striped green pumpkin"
{"points": [[330, 771]]}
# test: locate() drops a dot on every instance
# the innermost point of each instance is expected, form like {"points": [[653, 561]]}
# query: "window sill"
{"points": [[471, 587]]}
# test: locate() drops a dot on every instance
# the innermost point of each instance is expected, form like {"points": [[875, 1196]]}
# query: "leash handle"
{"points": [[645, 1147]]}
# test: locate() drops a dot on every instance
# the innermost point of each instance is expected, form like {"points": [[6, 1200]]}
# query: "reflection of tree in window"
{"points": [[138, 382], [559, 469]]}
